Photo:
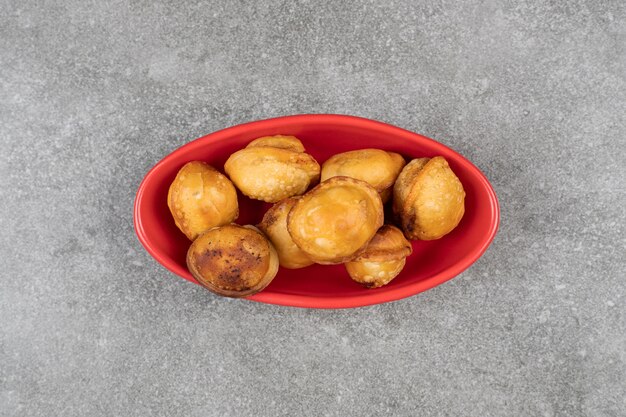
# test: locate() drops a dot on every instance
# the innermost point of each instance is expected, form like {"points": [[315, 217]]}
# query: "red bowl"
{"points": [[323, 135]]}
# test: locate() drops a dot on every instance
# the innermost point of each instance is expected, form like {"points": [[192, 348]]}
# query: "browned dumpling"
{"points": [[383, 258], [272, 168], [200, 197], [376, 167], [290, 143], [233, 260], [428, 199], [335, 220], [274, 225]]}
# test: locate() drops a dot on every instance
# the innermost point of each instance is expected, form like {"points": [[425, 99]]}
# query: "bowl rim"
{"points": [[369, 297]]}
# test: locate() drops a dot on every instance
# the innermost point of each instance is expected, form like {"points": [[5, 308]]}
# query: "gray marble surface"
{"points": [[92, 94]]}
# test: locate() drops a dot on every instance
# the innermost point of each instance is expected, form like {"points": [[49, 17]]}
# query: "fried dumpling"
{"points": [[428, 199], [291, 143], [382, 260], [335, 220], [272, 168], [376, 167], [233, 260], [274, 225], [200, 197]]}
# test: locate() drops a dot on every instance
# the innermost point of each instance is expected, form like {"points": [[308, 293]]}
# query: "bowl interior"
{"points": [[431, 263]]}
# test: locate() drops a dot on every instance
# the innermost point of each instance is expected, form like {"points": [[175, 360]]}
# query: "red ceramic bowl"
{"points": [[323, 135]]}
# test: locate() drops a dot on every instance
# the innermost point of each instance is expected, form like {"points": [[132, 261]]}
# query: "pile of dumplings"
{"points": [[327, 215]]}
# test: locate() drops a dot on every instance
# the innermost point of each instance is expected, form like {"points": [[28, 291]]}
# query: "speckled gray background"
{"points": [[92, 94]]}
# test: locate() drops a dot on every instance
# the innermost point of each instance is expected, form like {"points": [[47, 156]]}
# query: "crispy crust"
{"points": [[232, 260], [272, 168], [200, 198], [375, 274], [274, 225], [429, 200], [376, 167], [404, 183], [387, 244], [335, 221], [291, 143], [383, 258]]}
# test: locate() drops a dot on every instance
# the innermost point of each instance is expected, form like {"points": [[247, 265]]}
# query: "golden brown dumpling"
{"points": [[274, 225], [376, 167], [200, 197], [335, 220], [290, 143], [383, 258], [428, 199], [233, 260], [272, 168]]}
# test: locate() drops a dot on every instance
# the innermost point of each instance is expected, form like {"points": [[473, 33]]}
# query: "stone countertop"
{"points": [[92, 94]]}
